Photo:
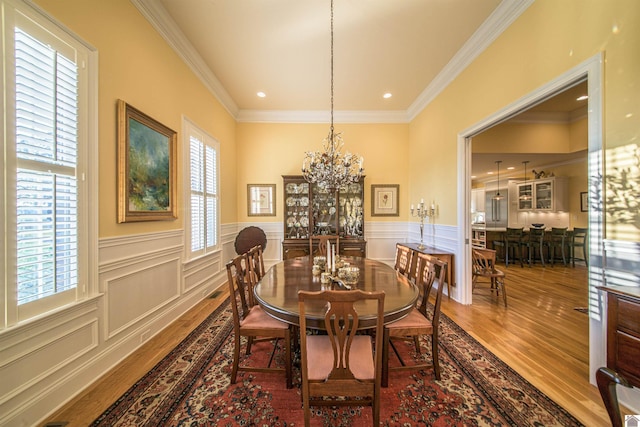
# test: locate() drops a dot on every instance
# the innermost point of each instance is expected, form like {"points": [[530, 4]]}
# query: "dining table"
{"points": [[277, 291]]}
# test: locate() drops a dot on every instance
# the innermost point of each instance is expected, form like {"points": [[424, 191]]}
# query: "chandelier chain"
{"points": [[330, 169], [331, 128]]}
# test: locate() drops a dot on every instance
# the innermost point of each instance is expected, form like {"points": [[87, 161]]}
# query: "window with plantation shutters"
{"points": [[203, 187], [46, 153]]}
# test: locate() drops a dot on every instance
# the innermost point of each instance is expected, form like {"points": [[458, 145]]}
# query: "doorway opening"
{"points": [[589, 71]]}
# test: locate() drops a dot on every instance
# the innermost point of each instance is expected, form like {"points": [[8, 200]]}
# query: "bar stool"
{"points": [[557, 241], [513, 241], [580, 239], [533, 243]]}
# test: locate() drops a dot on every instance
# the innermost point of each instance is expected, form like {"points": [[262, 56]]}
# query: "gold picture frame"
{"points": [[261, 199], [384, 200], [147, 189]]}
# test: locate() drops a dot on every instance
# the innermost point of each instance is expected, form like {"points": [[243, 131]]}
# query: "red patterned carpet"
{"points": [[190, 387]]}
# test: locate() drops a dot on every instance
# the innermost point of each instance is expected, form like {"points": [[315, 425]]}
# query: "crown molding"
{"points": [[498, 21], [501, 18], [158, 17], [292, 116]]}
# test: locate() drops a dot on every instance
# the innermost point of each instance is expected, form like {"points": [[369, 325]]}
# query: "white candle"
{"points": [[412, 206], [333, 258], [433, 206], [422, 201]]}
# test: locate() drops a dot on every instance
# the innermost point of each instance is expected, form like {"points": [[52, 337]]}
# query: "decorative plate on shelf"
{"points": [[291, 221], [343, 200], [354, 188], [357, 201], [291, 201], [304, 201], [332, 210], [303, 188], [291, 187], [304, 221]]}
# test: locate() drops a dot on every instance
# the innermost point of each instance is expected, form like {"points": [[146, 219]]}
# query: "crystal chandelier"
{"points": [[330, 169]]}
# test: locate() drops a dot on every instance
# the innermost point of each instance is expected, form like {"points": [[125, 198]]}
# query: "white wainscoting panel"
{"points": [[37, 356], [132, 296]]}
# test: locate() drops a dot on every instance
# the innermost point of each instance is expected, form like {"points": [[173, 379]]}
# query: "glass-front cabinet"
{"points": [[310, 210], [543, 195], [525, 196], [296, 209]]}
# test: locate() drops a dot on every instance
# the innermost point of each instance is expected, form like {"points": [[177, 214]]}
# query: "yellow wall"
{"points": [[136, 65], [527, 138], [268, 151], [548, 39]]}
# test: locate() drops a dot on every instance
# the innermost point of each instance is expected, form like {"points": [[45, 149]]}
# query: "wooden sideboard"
{"points": [[623, 331]]}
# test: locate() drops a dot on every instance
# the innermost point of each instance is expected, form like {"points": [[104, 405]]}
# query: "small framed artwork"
{"points": [[260, 199], [146, 167], [584, 201], [384, 200]]}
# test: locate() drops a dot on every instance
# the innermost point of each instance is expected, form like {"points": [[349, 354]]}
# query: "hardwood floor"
{"points": [[539, 334]]}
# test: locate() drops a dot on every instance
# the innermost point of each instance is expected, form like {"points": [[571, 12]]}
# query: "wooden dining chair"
{"points": [[250, 321], [318, 244], [403, 260], [423, 320], [484, 269], [607, 380], [341, 367], [256, 263]]}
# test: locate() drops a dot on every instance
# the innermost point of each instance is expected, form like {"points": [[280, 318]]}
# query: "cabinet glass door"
{"points": [[323, 211], [525, 196], [351, 212], [296, 198], [544, 195]]}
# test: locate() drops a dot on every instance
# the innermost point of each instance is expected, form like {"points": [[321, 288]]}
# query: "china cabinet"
{"points": [[548, 194], [309, 210]]}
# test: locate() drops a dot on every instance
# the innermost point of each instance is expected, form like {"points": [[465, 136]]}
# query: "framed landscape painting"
{"points": [[146, 167]]}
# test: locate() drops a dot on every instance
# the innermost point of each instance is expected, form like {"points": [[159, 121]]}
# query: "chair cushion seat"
{"points": [[320, 357], [257, 318], [414, 319]]}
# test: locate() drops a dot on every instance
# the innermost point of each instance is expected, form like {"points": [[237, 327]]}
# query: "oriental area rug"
{"points": [[191, 387]]}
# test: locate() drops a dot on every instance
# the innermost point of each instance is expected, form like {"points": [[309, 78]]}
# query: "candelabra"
{"points": [[423, 212]]}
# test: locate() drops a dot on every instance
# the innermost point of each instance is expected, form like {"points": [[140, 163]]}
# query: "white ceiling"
{"points": [[411, 48], [282, 47]]}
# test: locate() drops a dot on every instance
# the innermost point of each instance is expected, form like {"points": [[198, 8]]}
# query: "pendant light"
{"points": [[498, 196], [527, 194]]}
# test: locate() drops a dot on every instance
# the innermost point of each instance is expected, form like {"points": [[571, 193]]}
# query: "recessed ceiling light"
{"points": [[387, 95], [510, 168], [261, 94], [582, 98], [489, 173]]}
